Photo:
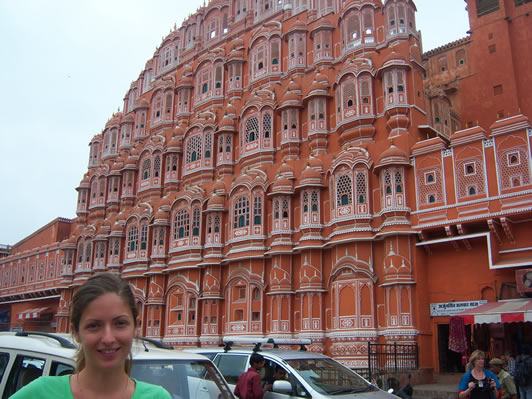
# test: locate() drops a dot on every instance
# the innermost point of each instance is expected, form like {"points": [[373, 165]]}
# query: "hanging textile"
{"points": [[457, 335]]}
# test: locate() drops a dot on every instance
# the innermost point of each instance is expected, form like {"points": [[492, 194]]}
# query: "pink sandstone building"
{"points": [[300, 168]]}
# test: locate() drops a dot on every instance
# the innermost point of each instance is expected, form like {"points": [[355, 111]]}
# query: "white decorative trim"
{"points": [[447, 153], [488, 143]]}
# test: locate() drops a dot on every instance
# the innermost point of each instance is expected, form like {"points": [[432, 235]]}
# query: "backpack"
{"points": [[523, 371]]}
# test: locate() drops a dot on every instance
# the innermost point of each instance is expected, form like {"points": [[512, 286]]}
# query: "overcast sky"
{"points": [[65, 66]]}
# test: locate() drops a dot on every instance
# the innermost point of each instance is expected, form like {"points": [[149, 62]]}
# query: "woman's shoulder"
{"points": [[46, 387], [143, 389]]}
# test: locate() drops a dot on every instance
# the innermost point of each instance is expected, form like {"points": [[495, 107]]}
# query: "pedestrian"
{"points": [[103, 317], [248, 385], [510, 368], [479, 383], [523, 373], [279, 374], [507, 382]]}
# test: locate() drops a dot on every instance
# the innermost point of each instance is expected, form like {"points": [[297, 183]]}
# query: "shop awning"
{"points": [[499, 312], [33, 313]]}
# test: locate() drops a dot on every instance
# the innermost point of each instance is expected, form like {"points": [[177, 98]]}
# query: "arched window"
{"points": [[193, 149], [241, 212], [196, 219], [181, 224], [132, 239], [257, 210], [344, 190], [146, 167], [252, 128], [144, 236]]}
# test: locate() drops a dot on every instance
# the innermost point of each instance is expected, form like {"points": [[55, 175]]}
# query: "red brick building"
{"points": [[300, 169]]}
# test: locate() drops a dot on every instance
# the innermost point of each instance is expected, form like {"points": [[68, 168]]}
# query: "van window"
{"points": [[25, 369], [4, 360], [59, 368], [232, 366]]}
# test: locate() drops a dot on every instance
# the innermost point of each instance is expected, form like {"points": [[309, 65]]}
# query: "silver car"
{"points": [[308, 374]]}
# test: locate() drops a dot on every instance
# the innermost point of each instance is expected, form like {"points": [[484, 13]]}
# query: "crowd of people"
{"points": [[504, 378]]}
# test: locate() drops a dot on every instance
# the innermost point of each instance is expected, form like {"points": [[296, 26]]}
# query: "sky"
{"points": [[65, 67]]}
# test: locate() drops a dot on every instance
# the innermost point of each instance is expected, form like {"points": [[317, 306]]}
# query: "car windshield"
{"points": [[329, 377], [183, 378]]}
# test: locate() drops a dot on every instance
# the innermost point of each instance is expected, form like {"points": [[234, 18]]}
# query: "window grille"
{"points": [[144, 236], [344, 195], [257, 210], [182, 224], [132, 239], [252, 127], [193, 149], [241, 213]]}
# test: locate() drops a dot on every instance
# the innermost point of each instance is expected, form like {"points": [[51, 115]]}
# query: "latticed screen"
{"points": [[193, 149], [252, 127], [344, 195]]}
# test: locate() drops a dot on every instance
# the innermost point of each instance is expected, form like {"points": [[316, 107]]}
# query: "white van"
{"points": [[25, 356], [308, 374]]}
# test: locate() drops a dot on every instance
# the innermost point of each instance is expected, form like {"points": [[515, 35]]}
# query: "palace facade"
{"points": [[299, 168]]}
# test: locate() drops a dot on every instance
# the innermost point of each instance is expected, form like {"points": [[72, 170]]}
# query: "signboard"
{"points": [[17, 329], [452, 308]]}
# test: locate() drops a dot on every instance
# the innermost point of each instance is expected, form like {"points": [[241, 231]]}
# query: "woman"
{"points": [[104, 322], [479, 383]]}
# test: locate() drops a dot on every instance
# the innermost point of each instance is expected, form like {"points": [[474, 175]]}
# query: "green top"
{"points": [[59, 388]]}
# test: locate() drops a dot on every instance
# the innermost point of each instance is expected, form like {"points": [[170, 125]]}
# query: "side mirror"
{"points": [[282, 386]]}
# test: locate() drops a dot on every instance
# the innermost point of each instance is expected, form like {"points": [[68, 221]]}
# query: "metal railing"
{"points": [[385, 359]]}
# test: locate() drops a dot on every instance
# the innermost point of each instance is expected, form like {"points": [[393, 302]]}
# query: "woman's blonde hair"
{"points": [[477, 354], [96, 286]]}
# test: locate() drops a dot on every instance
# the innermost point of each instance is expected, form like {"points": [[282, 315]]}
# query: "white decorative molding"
{"points": [[488, 143]]}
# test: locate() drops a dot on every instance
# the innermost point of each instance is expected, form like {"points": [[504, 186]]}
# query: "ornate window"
{"points": [[157, 108], [317, 114], [257, 131], [144, 236], [297, 53], [204, 85], [361, 191], [310, 200], [322, 41], [132, 239], [257, 210], [140, 124], [325, 7], [395, 87], [392, 188], [193, 149], [241, 213], [514, 165], [181, 224], [265, 57], [132, 99], [344, 194]]}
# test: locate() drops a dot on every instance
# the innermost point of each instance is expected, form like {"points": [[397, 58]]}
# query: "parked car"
{"points": [[308, 374], [25, 356]]}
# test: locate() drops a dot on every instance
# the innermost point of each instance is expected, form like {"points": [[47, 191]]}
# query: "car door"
{"points": [[297, 391], [232, 366], [25, 369]]}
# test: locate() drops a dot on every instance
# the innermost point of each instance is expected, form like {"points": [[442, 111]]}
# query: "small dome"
{"points": [[117, 228], [175, 142], [161, 215], [293, 86], [392, 156], [282, 185], [216, 202], [142, 103], [219, 186], [230, 110]]}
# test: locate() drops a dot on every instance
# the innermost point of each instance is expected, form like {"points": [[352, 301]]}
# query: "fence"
{"points": [[387, 359]]}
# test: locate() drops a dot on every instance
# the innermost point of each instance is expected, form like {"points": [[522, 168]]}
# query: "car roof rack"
{"points": [[228, 342], [156, 342], [65, 343]]}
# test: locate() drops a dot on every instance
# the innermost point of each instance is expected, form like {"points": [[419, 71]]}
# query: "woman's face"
{"points": [[106, 332], [479, 362]]}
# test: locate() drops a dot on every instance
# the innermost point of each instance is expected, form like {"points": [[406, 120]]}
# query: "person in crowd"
{"points": [[104, 321], [523, 373], [479, 383], [248, 385], [507, 382], [279, 374], [510, 361]]}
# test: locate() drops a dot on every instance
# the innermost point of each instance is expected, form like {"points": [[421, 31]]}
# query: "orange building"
{"points": [[300, 169]]}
